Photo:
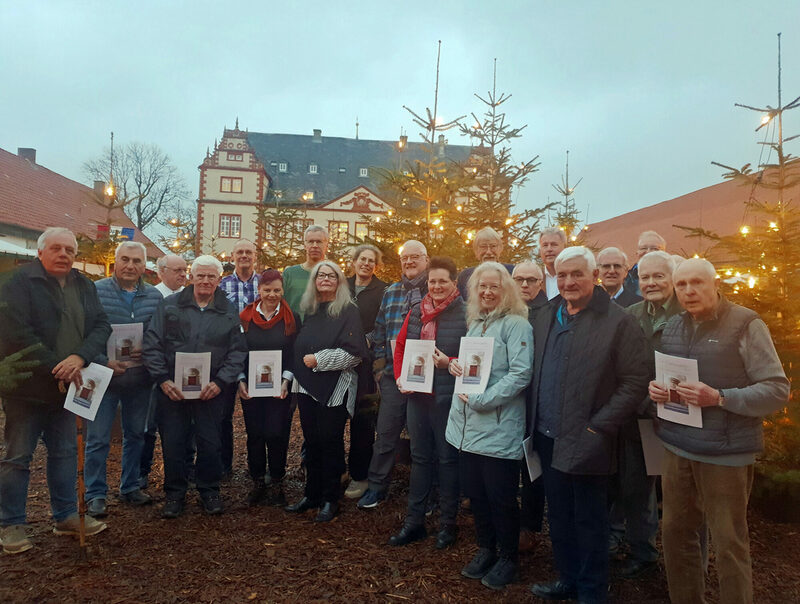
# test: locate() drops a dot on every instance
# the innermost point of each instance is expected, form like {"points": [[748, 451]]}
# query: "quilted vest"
{"points": [[715, 345]]}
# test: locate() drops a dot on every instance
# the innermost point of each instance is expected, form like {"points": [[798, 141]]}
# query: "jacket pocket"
{"points": [[594, 452]]}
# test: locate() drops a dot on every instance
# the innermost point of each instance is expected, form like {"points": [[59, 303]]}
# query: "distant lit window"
{"points": [[338, 231], [283, 167], [308, 196], [312, 168], [230, 184], [362, 230], [363, 172], [230, 225]]}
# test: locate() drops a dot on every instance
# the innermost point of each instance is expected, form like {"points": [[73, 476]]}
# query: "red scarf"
{"points": [[251, 315], [431, 312]]}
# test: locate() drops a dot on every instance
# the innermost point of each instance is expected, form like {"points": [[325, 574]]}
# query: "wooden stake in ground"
{"points": [[83, 554]]}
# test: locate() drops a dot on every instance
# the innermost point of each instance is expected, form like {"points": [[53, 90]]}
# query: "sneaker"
{"points": [[14, 539], [212, 504], [481, 564], [503, 572], [143, 481], [137, 497], [172, 508], [258, 493], [370, 499], [97, 508], [356, 489], [72, 526]]}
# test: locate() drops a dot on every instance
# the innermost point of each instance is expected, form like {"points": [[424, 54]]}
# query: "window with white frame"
{"points": [[230, 225], [230, 184], [312, 168], [363, 172], [235, 156], [283, 166], [338, 231], [362, 230]]}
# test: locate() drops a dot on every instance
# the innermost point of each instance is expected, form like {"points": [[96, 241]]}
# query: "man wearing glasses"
{"points": [[172, 272], [613, 265], [488, 246], [398, 299], [649, 241]]}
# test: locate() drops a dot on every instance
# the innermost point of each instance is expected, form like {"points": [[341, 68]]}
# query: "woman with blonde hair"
{"points": [[488, 428]]}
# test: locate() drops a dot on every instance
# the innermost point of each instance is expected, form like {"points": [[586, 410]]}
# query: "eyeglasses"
{"points": [[327, 277], [177, 271], [491, 288], [411, 258], [523, 280], [486, 247], [364, 260], [616, 267]]}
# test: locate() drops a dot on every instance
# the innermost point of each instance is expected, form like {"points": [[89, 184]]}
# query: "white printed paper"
{"points": [[192, 372], [264, 373], [85, 401], [652, 447], [475, 358], [532, 459], [671, 371], [416, 373], [125, 339]]}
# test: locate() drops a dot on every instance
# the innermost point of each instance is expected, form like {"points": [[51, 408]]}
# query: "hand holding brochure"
{"points": [[192, 372], [671, 371], [264, 371], [417, 372], [85, 401], [475, 358], [125, 339]]}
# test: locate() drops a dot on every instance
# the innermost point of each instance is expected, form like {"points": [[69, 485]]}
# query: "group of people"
{"points": [[571, 370]]}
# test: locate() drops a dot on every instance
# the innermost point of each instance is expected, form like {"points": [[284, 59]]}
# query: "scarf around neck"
{"points": [[430, 313], [415, 288], [250, 314]]}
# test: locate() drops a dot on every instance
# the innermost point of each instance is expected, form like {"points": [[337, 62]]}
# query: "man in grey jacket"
{"points": [[590, 375], [708, 471]]}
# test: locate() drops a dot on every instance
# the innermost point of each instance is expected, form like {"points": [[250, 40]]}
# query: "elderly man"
{"points": [[649, 241], [634, 509], [708, 471], [613, 265], [295, 278], [172, 272], [198, 319], [590, 376], [487, 247], [127, 299], [241, 287], [552, 242], [49, 304], [529, 279], [398, 299]]}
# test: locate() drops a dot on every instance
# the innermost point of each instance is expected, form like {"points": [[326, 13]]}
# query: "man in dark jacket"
{"points": [[487, 247], [708, 471], [49, 304], [613, 265], [634, 508], [127, 299], [198, 319], [590, 376]]}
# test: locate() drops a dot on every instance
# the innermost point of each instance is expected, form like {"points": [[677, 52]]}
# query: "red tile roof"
{"points": [[33, 197], [719, 208]]}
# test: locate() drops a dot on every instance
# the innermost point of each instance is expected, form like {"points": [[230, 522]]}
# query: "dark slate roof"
{"points": [[338, 161]]}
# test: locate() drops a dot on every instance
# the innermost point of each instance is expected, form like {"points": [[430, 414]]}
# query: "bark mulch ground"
{"points": [[263, 554]]}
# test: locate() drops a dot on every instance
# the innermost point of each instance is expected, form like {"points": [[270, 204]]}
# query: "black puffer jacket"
{"points": [[30, 313], [606, 379], [180, 326]]}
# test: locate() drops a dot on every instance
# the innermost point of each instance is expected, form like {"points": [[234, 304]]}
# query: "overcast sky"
{"points": [[640, 93]]}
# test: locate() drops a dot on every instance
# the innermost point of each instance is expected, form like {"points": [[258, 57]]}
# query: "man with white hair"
{"points": [[50, 305], [613, 265], [127, 300], [590, 376], [487, 247], [634, 508], [172, 272], [398, 299], [552, 241], [649, 241], [708, 471], [295, 277], [200, 319]]}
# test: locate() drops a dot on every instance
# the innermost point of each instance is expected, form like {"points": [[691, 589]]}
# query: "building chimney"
{"points": [[27, 153], [317, 138], [99, 188]]}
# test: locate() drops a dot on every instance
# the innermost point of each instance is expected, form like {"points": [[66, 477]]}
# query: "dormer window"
{"points": [[342, 170], [308, 196], [283, 166], [363, 172], [312, 168]]}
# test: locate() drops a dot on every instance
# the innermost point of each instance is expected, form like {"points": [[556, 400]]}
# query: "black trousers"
{"points": [[175, 421], [491, 485], [228, 396], [577, 512], [150, 433], [265, 419], [362, 437], [323, 430], [532, 512]]}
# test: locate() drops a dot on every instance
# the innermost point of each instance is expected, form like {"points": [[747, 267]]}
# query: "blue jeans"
{"points": [[176, 419], [25, 423], [134, 402]]}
